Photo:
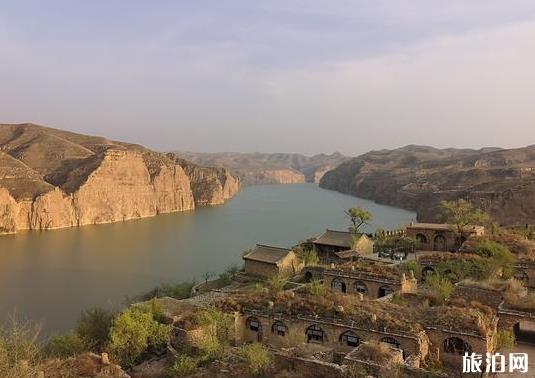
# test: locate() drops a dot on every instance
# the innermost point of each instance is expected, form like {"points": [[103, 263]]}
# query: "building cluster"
{"points": [[368, 312]]}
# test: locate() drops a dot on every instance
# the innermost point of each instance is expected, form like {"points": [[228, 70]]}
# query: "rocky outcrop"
{"points": [[266, 168], [501, 182], [271, 176], [116, 183], [210, 186]]}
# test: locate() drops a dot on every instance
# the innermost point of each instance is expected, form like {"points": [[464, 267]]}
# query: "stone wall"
{"points": [[296, 333], [438, 336], [355, 282]]}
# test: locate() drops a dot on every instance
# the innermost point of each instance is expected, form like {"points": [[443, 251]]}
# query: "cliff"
{"points": [[52, 179], [500, 181], [266, 168]]}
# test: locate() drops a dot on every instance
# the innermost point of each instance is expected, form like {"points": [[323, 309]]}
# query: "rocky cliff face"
{"points": [[101, 182], [211, 186], [265, 168], [501, 182]]}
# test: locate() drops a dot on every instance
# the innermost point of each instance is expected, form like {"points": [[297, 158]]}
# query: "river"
{"points": [[51, 276]]}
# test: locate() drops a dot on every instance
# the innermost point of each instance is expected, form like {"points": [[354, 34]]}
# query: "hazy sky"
{"points": [[279, 75]]}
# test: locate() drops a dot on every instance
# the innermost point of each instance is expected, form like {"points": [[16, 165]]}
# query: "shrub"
{"points": [[408, 266], [504, 340], [500, 257], [307, 255], [180, 290], [229, 273], [438, 288], [256, 356], [216, 327], [19, 350], [133, 332], [93, 328], [316, 287], [275, 284], [66, 345], [183, 365]]}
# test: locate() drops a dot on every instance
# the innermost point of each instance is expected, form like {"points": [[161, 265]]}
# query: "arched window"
{"points": [[456, 345], [360, 287], [253, 324], [421, 239], [384, 291], [338, 284], [279, 329], [350, 338], [315, 334], [391, 341]]}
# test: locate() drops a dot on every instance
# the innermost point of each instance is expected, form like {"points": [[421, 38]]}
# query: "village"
{"points": [[409, 302]]}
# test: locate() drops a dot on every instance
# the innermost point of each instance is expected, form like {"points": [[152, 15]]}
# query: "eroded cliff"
{"points": [[501, 182], [90, 180]]}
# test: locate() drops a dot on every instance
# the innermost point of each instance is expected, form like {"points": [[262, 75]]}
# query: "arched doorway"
{"points": [[338, 284], [308, 276], [426, 272], [360, 287], [421, 241], [456, 345], [439, 243], [315, 334], [384, 291], [350, 339]]}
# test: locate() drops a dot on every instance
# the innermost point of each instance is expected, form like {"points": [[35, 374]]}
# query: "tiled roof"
{"points": [[267, 254], [337, 238]]}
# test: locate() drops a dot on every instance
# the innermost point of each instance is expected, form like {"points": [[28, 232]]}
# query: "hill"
{"points": [[500, 181], [269, 168], [51, 178]]}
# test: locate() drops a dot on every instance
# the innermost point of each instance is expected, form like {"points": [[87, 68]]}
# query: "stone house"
{"points": [[369, 284], [340, 335], [440, 237], [268, 261], [331, 242]]}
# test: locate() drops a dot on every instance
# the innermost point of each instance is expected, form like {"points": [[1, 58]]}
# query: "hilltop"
{"points": [[500, 181], [52, 178]]}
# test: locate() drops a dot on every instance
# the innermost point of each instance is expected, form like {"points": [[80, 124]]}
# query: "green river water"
{"points": [[51, 276]]}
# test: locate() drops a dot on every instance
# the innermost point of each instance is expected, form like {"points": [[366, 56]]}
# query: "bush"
{"points": [[438, 288], [256, 356], [275, 284], [180, 290], [316, 287], [66, 345], [133, 332], [217, 327], [229, 273], [504, 340], [408, 266], [19, 350], [184, 365], [499, 255], [93, 328]]}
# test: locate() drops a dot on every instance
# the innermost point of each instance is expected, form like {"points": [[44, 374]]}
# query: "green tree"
{"points": [[133, 332], [462, 213], [358, 217], [501, 258], [93, 328]]}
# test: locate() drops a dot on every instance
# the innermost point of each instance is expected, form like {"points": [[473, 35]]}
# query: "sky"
{"points": [[304, 76]]}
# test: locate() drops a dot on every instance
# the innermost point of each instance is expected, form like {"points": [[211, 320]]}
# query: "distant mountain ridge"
{"points": [[501, 181], [269, 168], [51, 178]]}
